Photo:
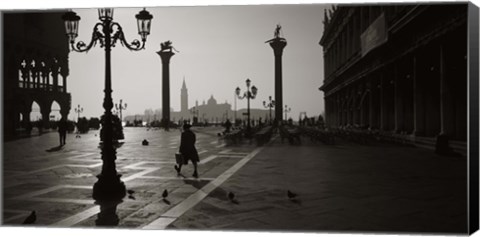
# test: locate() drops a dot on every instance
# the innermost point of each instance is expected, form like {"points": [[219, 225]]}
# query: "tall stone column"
{"points": [[278, 44], [165, 56]]}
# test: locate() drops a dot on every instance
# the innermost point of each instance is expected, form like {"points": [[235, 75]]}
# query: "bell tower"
{"points": [[184, 98]]}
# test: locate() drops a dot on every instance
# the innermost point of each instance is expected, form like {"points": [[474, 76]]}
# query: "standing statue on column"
{"points": [[167, 46], [277, 31]]}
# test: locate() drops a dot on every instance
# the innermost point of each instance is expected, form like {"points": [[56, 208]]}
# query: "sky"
{"points": [[220, 47]]}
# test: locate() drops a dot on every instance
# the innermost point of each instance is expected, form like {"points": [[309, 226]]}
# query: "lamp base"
{"points": [[109, 188]]}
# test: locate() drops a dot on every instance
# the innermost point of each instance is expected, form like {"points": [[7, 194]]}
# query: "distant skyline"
{"points": [[220, 47]]}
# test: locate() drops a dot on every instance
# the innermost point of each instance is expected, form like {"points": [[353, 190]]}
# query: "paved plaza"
{"points": [[342, 187]]}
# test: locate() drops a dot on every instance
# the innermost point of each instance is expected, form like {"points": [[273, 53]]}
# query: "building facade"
{"points": [[35, 62], [397, 68]]}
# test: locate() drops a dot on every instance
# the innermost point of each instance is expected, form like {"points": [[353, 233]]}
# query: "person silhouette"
{"points": [[62, 131], [188, 150], [228, 125]]}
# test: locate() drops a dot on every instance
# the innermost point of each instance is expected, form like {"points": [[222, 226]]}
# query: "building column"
{"points": [[55, 73], [327, 110], [45, 111], [371, 114], [398, 99], [383, 102], [447, 122], [355, 107], [418, 102]]}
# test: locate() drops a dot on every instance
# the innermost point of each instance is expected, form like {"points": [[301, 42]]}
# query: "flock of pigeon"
{"points": [[230, 195]]}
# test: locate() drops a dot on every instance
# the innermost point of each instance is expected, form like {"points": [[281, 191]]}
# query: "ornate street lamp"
{"points": [[249, 94], [107, 33], [78, 110], [287, 110], [119, 107], [269, 105]]}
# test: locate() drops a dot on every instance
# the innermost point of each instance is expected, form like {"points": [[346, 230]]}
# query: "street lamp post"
{"points": [[195, 112], [287, 110], [249, 94], [107, 33], [235, 105], [78, 110], [269, 105], [119, 107]]}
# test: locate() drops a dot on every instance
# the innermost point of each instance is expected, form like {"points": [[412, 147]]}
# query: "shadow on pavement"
{"points": [[198, 184], [53, 149]]}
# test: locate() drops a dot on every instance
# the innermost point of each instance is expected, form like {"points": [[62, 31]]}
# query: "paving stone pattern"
{"points": [[345, 187]]}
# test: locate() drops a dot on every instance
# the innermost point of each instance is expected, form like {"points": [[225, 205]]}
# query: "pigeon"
{"points": [[165, 194], [31, 218], [291, 195], [231, 196], [145, 142], [130, 192]]}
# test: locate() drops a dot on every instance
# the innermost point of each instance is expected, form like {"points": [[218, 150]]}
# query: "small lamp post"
{"points": [[269, 105], [195, 113], [287, 110], [249, 94], [107, 33], [78, 110], [119, 107]]}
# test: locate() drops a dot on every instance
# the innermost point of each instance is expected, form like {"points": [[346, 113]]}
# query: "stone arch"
{"points": [[55, 109], [35, 111]]}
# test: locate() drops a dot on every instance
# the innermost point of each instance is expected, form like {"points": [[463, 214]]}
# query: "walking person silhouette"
{"points": [[188, 150], [62, 131]]}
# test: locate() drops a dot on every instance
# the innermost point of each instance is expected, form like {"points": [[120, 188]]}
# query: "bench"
{"points": [[264, 135], [233, 137], [292, 134]]}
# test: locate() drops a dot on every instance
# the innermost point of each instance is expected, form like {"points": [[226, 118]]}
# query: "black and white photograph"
{"points": [[310, 117]]}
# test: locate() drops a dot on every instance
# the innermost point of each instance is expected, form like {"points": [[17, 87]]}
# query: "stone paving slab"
{"points": [[346, 187], [383, 188], [64, 178]]}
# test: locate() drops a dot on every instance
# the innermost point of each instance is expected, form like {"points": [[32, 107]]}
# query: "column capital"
{"points": [[165, 56], [277, 44]]}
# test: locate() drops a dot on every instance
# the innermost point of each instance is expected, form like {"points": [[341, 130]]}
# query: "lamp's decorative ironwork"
{"points": [[251, 93], [107, 33]]}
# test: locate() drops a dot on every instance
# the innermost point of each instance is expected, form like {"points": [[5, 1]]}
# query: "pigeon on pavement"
{"points": [[291, 195], [31, 218]]}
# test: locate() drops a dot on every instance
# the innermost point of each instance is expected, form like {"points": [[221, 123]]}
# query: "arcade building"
{"points": [[397, 68], [35, 68]]}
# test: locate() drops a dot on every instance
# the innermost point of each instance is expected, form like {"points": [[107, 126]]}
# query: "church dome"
{"points": [[212, 101]]}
